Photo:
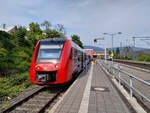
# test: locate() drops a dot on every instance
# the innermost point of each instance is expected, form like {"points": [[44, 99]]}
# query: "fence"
{"points": [[116, 71]]}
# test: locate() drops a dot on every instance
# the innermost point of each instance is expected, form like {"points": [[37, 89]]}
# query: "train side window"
{"points": [[70, 57], [79, 58], [75, 54]]}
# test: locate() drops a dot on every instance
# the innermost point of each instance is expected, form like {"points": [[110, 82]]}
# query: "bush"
{"points": [[99, 57], [3, 94], [144, 58], [123, 57], [13, 53], [10, 86], [23, 66]]}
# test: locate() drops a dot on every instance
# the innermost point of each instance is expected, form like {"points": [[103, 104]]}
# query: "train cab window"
{"points": [[70, 54], [48, 52]]}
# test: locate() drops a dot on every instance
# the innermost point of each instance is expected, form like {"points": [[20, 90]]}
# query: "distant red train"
{"points": [[91, 52], [55, 61]]}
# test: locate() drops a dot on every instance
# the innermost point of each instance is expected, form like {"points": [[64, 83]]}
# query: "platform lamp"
{"points": [[112, 36]]}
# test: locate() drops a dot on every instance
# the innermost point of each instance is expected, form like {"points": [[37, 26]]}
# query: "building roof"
{"points": [[8, 28]]}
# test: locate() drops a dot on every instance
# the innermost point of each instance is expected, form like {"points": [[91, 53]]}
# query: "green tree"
{"points": [[3, 58], [35, 28], [6, 46], [53, 34], [35, 33], [76, 39], [144, 58], [17, 48], [6, 40], [117, 51], [61, 29], [46, 24], [20, 35]]}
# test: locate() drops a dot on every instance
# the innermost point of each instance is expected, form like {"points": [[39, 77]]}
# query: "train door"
{"points": [[82, 58], [79, 61], [75, 60]]}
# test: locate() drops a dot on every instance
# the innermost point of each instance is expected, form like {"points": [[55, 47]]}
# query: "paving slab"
{"points": [[97, 95]]}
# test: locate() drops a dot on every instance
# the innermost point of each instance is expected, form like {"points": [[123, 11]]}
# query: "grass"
{"points": [[4, 106], [12, 85], [47, 91]]}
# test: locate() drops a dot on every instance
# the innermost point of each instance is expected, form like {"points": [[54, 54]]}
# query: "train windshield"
{"points": [[48, 52]]}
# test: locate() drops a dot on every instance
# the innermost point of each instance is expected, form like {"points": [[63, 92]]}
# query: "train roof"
{"points": [[53, 39], [59, 40], [62, 40]]}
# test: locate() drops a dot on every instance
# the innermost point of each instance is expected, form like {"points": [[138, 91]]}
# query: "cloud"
{"points": [[87, 18]]}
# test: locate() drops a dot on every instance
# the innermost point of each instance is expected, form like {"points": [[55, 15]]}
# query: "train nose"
{"points": [[47, 67], [46, 72], [42, 76]]}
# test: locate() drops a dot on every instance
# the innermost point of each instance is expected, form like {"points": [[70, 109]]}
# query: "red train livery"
{"points": [[55, 61], [91, 52]]}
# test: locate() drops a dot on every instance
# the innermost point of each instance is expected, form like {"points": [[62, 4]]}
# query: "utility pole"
{"points": [[105, 50], [139, 38], [120, 44], [112, 36], [133, 41]]}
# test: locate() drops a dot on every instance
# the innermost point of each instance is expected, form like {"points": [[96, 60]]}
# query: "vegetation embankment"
{"points": [[12, 85], [16, 48], [16, 51], [144, 58]]}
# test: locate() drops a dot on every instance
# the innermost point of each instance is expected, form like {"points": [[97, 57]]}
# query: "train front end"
{"points": [[46, 62]]}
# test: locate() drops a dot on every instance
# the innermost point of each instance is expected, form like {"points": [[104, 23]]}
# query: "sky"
{"points": [[87, 18]]}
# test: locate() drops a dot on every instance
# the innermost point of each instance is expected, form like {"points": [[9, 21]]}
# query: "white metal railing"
{"points": [[116, 75]]}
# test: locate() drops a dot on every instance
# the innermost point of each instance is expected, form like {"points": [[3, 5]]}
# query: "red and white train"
{"points": [[55, 61], [91, 52]]}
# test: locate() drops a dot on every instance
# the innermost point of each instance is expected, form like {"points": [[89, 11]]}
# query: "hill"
{"points": [[96, 49], [133, 48]]}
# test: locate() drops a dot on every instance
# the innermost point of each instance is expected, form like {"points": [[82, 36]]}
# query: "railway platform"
{"points": [[92, 92]]}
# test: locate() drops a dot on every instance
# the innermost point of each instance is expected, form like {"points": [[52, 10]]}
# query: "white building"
{"points": [[8, 29]]}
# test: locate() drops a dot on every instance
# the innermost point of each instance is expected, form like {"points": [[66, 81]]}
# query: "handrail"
{"points": [[137, 78], [131, 77]]}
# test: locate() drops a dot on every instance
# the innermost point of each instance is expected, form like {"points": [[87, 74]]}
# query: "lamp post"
{"points": [[112, 36], [95, 41]]}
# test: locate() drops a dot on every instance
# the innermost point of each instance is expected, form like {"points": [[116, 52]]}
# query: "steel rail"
{"points": [[19, 102], [29, 97]]}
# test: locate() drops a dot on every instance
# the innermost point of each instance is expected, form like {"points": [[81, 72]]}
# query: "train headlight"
{"points": [[56, 66]]}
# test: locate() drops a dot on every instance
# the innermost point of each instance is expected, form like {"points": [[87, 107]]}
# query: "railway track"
{"points": [[38, 101], [143, 65]]}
